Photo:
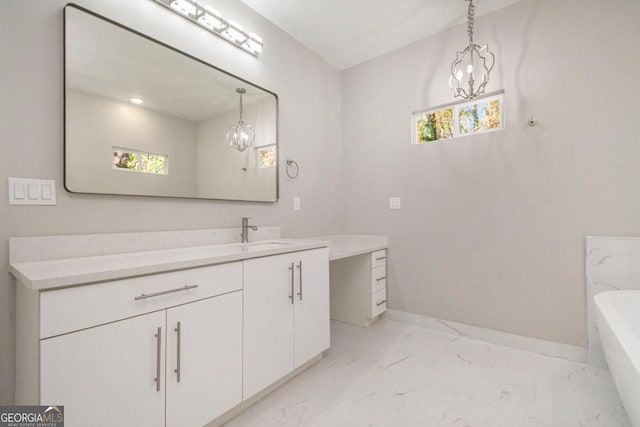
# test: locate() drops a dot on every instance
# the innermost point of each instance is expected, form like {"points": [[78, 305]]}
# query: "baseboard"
{"points": [[505, 339]]}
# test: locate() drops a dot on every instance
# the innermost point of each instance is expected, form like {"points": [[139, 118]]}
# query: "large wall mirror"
{"points": [[142, 118]]}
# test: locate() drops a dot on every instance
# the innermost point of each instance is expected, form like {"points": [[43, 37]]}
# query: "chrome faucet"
{"points": [[245, 230]]}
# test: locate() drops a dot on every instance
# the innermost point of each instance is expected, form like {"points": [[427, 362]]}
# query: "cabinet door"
{"points": [[268, 321], [311, 313], [208, 355], [105, 376]]}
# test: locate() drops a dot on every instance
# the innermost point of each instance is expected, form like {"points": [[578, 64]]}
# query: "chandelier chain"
{"points": [[470, 20]]}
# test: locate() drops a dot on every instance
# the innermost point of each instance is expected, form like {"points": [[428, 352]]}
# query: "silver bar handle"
{"points": [[381, 278], [380, 258], [300, 275], [158, 355], [381, 302], [178, 329], [291, 296], [170, 291]]}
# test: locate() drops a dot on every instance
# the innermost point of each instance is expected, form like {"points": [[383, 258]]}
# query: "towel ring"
{"points": [[287, 170]]}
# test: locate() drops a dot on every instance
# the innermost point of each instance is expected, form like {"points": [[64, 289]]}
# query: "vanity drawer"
{"points": [[378, 258], [378, 279], [378, 302], [71, 309]]}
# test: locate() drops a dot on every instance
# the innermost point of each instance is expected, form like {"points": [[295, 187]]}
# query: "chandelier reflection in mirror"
{"points": [[241, 134], [471, 66]]}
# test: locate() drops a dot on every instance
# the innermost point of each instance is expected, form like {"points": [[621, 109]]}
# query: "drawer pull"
{"points": [[300, 270], [381, 302], [158, 358], [380, 258], [170, 291], [178, 329], [381, 278], [291, 296]]}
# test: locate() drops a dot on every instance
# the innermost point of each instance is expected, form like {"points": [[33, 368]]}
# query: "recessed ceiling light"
{"points": [[135, 100]]}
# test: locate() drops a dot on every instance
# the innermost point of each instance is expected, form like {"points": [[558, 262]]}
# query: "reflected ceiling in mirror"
{"points": [[142, 118]]}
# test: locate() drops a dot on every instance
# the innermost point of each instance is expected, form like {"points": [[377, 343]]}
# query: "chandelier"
{"points": [[241, 134], [471, 66]]}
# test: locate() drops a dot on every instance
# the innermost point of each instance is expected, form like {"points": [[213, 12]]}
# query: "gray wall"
{"points": [[96, 124], [491, 227], [31, 138]]}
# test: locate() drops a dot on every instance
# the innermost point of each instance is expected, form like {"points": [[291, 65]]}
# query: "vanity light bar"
{"points": [[212, 20]]}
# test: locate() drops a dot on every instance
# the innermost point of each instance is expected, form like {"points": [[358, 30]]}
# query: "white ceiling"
{"points": [[106, 60], [348, 32]]}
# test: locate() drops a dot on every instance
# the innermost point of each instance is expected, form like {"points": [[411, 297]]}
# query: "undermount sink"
{"points": [[262, 246]]}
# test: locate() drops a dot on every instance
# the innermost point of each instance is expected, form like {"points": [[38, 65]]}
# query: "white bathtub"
{"points": [[618, 317]]}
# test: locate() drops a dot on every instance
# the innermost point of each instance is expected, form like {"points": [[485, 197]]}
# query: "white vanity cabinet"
{"points": [[207, 353], [177, 354], [113, 370], [286, 315], [311, 313], [359, 288], [181, 337], [104, 375]]}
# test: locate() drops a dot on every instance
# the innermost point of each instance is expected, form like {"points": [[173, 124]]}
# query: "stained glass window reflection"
{"points": [[153, 163], [125, 160], [139, 161], [267, 156]]}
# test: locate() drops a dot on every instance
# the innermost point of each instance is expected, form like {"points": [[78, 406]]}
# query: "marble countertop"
{"points": [[348, 245], [57, 273]]}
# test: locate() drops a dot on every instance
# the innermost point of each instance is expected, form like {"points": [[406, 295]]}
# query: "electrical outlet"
{"points": [[394, 203], [296, 203]]}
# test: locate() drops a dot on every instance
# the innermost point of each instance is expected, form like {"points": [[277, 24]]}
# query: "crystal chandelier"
{"points": [[472, 64], [241, 134]]}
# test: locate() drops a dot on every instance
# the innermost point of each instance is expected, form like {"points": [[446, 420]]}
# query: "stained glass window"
{"points": [[455, 120], [435, 125], [484, 115]]}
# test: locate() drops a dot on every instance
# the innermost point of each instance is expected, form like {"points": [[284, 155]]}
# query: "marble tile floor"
{"points": [[396, 375]]}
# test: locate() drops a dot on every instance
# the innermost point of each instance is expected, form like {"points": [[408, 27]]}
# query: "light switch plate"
{"points": [[296, 203], [18, 190], [28, 191], [394, 203], [33, 190]]}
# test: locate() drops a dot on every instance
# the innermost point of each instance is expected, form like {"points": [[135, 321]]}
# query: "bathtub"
{"points": [[618, 317]]}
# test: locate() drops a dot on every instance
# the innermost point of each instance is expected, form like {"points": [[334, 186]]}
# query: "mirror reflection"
{"points": [[144, 119]]}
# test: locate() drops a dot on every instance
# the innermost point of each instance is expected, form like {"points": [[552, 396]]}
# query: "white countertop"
{"points": [[348, 245], [56, 273]]}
